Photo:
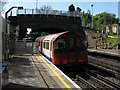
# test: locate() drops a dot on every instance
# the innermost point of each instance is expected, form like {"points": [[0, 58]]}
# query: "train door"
{"points": [[51, 51], [41, 46]]}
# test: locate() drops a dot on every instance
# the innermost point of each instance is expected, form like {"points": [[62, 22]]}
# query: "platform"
{"points": [[36, 72], [106, 52]]}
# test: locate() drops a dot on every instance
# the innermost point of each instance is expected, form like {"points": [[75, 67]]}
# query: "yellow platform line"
{"points": [[66, 85]]}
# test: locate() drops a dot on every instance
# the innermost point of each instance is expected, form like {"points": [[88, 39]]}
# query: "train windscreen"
{"points": [[67, 44]]}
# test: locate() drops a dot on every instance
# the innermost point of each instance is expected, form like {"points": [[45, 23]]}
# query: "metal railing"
{"points": [[48, 12]]}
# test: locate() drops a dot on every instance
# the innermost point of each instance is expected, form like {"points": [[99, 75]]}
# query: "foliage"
{"points": [[2, 4], [44, 33], [86, 19], [100, 21], [71, 8], [79, 9], [56, 12], [112, 40], [45, 8], [12, 33]]}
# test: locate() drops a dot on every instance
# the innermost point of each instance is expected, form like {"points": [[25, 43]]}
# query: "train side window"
{"points": [[47, 45], [44, 45]]}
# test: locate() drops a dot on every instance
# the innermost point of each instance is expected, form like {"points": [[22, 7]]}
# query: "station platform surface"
{"points": [[112, 52], [36, 72]]}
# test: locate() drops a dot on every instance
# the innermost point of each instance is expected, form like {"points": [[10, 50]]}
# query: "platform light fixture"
{"points": [[92, 15]]}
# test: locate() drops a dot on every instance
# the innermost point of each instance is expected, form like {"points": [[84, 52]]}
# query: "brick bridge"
{"points": [[51, 22]]}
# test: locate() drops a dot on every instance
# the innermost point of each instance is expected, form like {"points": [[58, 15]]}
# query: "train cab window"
{"points": [[81, 43], [78, 42], [71, 42], [59, 44]]}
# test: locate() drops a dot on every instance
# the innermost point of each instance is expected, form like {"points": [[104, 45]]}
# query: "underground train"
{"points": [[64, 48]]}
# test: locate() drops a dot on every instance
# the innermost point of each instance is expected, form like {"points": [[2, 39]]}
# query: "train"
{"points": [[65, 48]]}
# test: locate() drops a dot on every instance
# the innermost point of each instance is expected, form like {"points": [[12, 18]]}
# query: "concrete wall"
{"points": [[3, 39], [0, 38], [3, 44], [0, 50]]}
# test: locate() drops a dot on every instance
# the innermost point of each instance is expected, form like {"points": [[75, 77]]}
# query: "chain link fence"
{"points": [[20, 47]]}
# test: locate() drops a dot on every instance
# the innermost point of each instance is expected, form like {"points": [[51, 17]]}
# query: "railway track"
{"points": [[109, 74], [109, 65], [95, 81], [100, 84], [110, 82], [84, 83]]}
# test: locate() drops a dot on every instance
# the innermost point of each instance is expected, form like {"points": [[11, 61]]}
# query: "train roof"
{"points": [[53, 36], [50, 36]]}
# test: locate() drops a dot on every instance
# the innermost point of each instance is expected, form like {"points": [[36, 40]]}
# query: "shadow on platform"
{"points": [[14, 86]]}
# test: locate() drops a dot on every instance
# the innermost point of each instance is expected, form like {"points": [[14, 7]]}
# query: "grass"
{"points": [[112, 40]]}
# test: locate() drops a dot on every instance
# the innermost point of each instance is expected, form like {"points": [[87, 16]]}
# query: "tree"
{"points": [[71, 8], [86, 19], [56, 12], [104, 19], [79, 9], [45, 8], [101, 20], [2, 4]]}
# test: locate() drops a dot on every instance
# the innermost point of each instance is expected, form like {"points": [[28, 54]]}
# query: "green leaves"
{"points": [[100, 21]]}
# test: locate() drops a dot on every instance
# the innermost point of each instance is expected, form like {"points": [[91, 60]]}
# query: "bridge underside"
{"points": [[51, 24]]}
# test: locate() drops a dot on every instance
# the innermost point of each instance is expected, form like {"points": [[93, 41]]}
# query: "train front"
{"points": [[69, 48]]}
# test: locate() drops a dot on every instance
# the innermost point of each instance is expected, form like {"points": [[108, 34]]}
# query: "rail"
{"points": [[105, 65], [117, 75], [86, 82], [48, 12], [108, 81], [101, 82]]}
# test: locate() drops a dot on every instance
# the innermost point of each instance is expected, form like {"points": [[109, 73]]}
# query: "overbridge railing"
{"points": [[49, 12]]}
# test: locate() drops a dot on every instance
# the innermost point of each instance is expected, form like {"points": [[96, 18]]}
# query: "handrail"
{"points": [[49, 12]]}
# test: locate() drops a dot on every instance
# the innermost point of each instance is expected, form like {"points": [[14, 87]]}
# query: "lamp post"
{"points": [[36, 4], [92, 15]]}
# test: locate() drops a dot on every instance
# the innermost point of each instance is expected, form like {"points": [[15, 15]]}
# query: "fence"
{"points": [[75, 14], [20, 47]]}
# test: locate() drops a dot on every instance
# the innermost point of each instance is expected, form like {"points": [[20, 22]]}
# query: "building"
{"points": [[115, 28]]}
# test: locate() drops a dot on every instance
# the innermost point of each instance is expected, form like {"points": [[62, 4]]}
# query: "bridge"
{"points": [[51, 21]]}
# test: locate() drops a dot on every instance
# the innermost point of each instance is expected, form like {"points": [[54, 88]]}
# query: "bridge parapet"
{"points": [[33, 12], [46, 21]]}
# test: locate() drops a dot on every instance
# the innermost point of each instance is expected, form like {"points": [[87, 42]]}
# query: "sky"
{"points": [[99, 6]]}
